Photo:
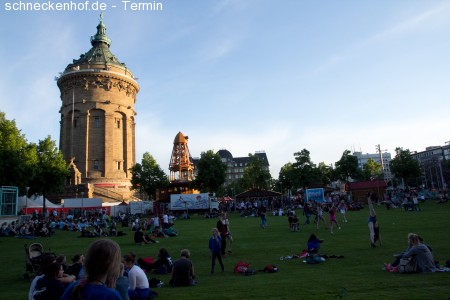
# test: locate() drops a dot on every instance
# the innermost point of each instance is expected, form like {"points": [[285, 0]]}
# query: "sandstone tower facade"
{"points": [[97, 134]]}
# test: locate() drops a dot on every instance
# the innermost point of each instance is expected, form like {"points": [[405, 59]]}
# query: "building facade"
{"points": [[384, 159], [432, 165], [236, 165], [97, 127]]}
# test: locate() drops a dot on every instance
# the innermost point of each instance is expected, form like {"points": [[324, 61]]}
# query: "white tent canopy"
{"points": [[36, 202]]}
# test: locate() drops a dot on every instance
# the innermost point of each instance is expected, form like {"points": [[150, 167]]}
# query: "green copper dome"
{"points": [[99, 53], [101, 36]]}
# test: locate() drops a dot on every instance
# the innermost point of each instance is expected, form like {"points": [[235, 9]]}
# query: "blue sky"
{"points": [[249, 75]]}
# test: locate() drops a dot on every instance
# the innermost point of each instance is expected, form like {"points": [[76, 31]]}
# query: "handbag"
{"points": [[408, 265]]}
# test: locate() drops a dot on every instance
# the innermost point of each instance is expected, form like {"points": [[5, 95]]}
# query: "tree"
{"points": [[211, 172], [371, 170], [50, 170], [305, 171], [347, 167], [405, 167], [325, 172], [147, 177], [256, 175], [286, 177], [17, 157]]}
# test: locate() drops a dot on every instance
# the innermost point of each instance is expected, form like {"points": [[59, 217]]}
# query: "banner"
{"points": [[316, 195], [189, 201]]}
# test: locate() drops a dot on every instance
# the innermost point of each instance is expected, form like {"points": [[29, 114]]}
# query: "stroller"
{"points": [[36, 259]]}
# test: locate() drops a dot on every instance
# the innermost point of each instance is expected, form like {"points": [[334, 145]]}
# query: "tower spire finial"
{"points": [[100, 36]]}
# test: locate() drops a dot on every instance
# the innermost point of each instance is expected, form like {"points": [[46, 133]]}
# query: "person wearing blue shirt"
{"points": [[215, 247]]}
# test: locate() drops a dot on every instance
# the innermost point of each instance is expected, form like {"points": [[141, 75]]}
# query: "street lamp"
{"points": [[82, 203], [26, 200]]}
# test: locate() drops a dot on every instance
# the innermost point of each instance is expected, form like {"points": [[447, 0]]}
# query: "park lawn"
{"points": [[358, 275]]}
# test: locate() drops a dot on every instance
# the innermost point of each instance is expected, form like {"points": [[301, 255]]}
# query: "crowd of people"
{"points": [[106, 271], [107, 274]]}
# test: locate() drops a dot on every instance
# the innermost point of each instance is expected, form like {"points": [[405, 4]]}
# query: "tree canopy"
{"points": [[371, 170], [40, 167], [147, 177], [347, 166], [405, 167], [211, 172], [50, 170], [17, 157], [305, 171], [256, 175]]}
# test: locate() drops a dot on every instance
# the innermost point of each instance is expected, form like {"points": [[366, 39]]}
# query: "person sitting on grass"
{"points": [[419, 251], [313, 244], [141, 238], [170, 231], [101, 265], [139, 288], [162, 265], [183, 271], [159, 233], [77, 264], [51, 286]]}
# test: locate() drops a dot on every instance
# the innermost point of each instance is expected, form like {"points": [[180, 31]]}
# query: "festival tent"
{"points": [[226, 199], [35, 203], [114, 208]]}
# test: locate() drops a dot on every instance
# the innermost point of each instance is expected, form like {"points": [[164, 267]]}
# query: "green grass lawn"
{"points": [[358, 275]]}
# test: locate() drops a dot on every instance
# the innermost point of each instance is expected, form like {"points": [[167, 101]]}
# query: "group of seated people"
{"points": [[53, 277], [28, 229], [149, 237], [105, 274]]}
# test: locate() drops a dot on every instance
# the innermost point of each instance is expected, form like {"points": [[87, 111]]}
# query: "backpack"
{"points": [[408, 265], [155, 282], [241, 267], [270, 269]]}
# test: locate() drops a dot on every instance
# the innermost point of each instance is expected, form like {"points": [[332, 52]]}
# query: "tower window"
{"points": [[96, 122], [118, 165], [118, 123]]}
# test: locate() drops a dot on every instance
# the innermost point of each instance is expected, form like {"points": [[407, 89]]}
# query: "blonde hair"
{"points": [[413, 239], [121, 269]]}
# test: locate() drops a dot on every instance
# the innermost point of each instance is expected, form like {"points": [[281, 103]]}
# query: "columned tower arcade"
{"points": [[97, 132]]}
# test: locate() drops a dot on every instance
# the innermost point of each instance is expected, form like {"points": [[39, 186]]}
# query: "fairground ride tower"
{"points": [[97, 133], [181, 166]]}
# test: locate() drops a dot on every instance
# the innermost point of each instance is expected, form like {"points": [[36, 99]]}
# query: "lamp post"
{"points": [[26, 200], [82, 203]]}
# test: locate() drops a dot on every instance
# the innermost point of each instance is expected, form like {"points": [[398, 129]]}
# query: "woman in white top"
{"points": [[139, 287]]}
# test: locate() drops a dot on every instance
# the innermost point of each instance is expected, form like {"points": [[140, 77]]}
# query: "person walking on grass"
{"points": [[215, 247], [343, 209], [263, 216], [307, 211], [332, 217], [319, 216], [223, 226], [374, 228]]}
